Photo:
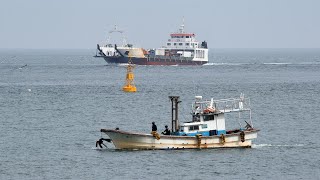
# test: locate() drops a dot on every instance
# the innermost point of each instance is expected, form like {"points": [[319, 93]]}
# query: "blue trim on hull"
{"points": [[221, 132], [203, 133]]}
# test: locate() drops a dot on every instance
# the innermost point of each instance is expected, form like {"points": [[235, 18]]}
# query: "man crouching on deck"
{"points": [[100, 142]]}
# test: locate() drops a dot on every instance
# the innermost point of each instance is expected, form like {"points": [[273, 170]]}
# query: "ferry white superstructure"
{"points": [[182, 48]]}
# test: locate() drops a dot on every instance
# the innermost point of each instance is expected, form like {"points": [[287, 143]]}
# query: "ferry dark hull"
{"points": [[152, 61]]}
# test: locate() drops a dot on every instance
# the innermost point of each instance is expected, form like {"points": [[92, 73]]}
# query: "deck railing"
{"points": [[226, 105]]}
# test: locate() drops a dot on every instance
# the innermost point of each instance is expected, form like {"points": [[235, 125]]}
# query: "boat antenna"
{"points": [[116, 30], [181, 29]]}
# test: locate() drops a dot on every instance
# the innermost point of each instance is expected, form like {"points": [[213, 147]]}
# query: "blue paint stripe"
{"points": [[203, 133], [221, 132]]}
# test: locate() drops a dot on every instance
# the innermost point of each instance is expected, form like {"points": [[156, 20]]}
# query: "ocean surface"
{"points": [[53, 104]]}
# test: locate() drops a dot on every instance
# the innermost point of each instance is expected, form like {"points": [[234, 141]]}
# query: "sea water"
{"points": [[53, 104]]}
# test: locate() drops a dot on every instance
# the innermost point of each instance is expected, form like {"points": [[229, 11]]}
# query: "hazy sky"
{"points": [[147, 23]]}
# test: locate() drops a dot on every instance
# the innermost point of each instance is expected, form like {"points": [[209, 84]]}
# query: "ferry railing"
{"points": [[227, 105]]}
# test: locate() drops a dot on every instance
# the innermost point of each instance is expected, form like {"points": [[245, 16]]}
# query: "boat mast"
{"points": [[181, 29], [115, 29], [174, 113]]}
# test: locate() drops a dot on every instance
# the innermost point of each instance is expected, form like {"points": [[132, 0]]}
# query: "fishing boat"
{"points": [[182, 48], [206, 129]]}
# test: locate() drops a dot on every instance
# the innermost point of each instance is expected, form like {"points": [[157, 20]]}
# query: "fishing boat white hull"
{"points": [[140, 141]]}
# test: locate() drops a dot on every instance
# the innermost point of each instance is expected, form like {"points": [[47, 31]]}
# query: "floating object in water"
{"points": [[129, 86], [23, 66]]}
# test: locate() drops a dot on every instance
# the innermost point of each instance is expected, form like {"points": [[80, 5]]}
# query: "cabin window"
{"points": [[196, 117], [208, 117], [204, 126], [187, 44], [187, 36], [180, 44], [191, 128], [168, 44], [175, 44]]}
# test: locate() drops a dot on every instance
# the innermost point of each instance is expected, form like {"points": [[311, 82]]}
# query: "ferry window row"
{"points": [[180, 44], [199, 54], [180, 36]]}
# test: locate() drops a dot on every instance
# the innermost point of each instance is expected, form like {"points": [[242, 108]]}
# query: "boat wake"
{"points": [[102, 149], [123, 64], [277, 63], [224, 64], [276, 145], [262, 63]]}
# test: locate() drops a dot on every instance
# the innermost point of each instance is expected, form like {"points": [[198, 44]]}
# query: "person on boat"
{"points": [[154, 131], [166, 131], [100, 142], [154, 127]]}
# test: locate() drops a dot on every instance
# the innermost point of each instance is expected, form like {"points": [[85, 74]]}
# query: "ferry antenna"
{"points": [[182, 26]]}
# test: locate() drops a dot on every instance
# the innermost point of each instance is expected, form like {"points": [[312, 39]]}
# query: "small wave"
{"points": [[123, 64], [276, 145], [277, 63], [224, 64], [309, 63], [296, 63], [101, 149]]}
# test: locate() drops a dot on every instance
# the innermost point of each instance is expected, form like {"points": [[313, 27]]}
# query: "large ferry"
{"points": [[182, 48]]}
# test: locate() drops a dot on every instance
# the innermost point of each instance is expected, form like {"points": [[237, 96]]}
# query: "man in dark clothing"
{"points": [[100, 142], [166, 131], [154, 127], [154, 131]]}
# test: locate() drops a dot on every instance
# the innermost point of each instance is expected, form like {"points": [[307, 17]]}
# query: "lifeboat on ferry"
{"points": [[209, 110]]}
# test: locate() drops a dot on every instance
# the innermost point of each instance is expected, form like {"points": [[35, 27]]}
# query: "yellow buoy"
{"points": [[129, 86]]}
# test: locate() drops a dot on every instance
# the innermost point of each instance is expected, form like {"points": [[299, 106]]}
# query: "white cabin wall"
{"points": [[160, 52], [206, 54], [200, 54], [221, 125], [108, 51], [211, 124]]}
